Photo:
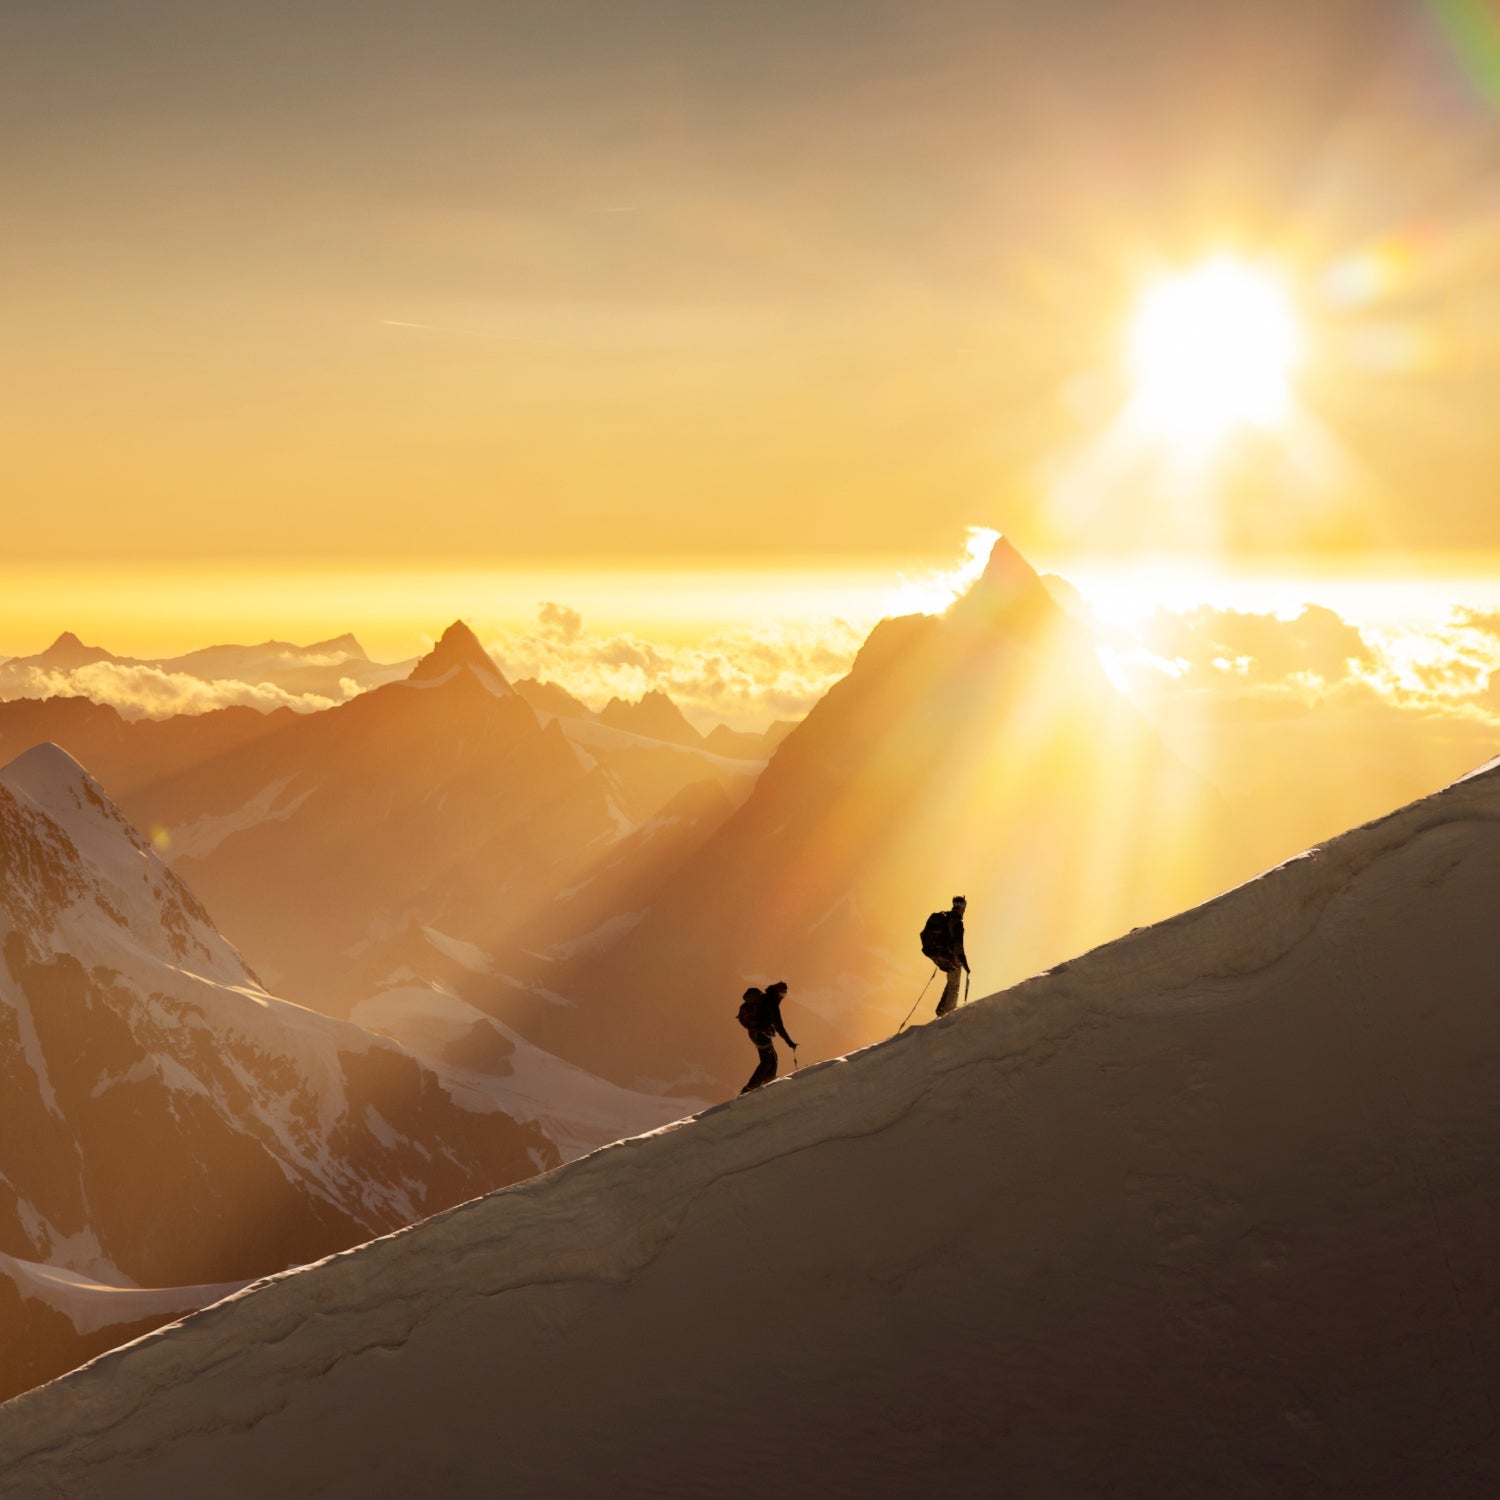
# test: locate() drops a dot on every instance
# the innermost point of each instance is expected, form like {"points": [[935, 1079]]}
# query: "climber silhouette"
{"points": [[760, 1015]]}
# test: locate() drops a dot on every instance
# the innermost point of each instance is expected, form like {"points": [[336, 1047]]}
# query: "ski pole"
{"points": [[967, 978], [915, 1003]]}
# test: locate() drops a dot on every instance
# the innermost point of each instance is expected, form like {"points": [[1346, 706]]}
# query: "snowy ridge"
{"points": [[198, 839], [108, 867], [1208, 1210]]}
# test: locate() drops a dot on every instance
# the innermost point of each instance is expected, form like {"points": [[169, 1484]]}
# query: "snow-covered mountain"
{"points": [[165, 1122], [1207, 1211]]}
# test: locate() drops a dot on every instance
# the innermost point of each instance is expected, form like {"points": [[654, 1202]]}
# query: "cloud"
{"points": [[559, 620], [144, 692], [1485, 621], [1447, 667], [1217, 643], [743, 677]]}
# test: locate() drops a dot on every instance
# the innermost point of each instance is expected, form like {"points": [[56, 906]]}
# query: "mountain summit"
{"points": [[1008, 592], [66, 654], [459, 650], [656, 716]]}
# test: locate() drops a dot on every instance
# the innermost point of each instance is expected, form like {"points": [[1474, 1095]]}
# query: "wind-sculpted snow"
{"points": [[1207, 1211]]}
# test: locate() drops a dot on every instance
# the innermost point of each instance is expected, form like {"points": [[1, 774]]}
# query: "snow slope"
{"points": [[1208, 1211]]}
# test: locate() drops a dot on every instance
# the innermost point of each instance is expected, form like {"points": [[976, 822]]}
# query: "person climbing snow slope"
{"points": [[943, 942], [760, 1015]]}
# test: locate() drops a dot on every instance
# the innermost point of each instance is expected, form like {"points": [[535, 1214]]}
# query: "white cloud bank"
{"points": [[145, 692]]}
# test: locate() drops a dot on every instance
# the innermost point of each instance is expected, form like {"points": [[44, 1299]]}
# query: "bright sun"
{"points": [[1213, 349]]}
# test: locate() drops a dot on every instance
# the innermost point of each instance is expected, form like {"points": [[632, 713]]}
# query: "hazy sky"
{"points": [[356, 278]]}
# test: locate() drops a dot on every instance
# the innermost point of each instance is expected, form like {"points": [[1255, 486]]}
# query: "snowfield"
{"points": [[1209, 1211]]}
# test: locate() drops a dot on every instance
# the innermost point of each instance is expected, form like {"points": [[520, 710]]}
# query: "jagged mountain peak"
{"points": [[459, 648], [654, 715], [67, 652], [1009, 591]]}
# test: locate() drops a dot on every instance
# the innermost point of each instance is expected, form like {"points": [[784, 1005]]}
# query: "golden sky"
{"points": [[804, 279]]}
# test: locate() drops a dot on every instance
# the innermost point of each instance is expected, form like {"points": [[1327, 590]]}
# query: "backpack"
{"points": [[749, 1014], [937, 938]]}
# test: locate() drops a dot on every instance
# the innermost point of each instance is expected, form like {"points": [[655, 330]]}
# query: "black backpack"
{"points": [[937, 938], [750, 1012]]}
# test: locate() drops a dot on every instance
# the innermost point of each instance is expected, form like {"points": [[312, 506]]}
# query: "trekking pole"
{"points": [[915, 1003]]}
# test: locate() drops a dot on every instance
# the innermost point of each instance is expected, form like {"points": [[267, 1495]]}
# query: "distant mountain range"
{"points": [[328, 669], [332, 844], [164, 1120]]}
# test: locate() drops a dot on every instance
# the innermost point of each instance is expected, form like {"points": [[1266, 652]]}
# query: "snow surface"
{"points": [[467, 955], [1208, 1211], [153, 912], [577, 1110], [92, 1305], [198, 839], [590, 734], [597, 937]]}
